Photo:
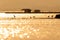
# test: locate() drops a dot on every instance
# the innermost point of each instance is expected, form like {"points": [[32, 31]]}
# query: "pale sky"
{"points": [[17, 5]]}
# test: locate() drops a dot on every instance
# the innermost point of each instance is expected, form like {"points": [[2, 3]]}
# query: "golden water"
{"points": [[30, 29]]}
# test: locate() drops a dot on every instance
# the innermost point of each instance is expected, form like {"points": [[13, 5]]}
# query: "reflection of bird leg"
{"points": [[34, 17], [31, 17], [52, 16], [14, 16]]}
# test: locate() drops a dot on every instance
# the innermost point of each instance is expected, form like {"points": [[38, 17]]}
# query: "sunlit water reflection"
{"points": [[30, 29]]}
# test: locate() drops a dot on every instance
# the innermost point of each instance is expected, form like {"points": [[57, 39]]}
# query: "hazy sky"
{"points": [[16, 5]]}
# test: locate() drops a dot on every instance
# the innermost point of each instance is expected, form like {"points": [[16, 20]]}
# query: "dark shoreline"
{"points": [[32, 12]]}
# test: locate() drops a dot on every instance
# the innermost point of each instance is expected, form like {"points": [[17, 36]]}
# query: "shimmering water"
{"points": [[30, 29]]}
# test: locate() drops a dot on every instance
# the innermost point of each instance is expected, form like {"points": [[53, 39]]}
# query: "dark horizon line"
{"points": [[32, 12]]}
